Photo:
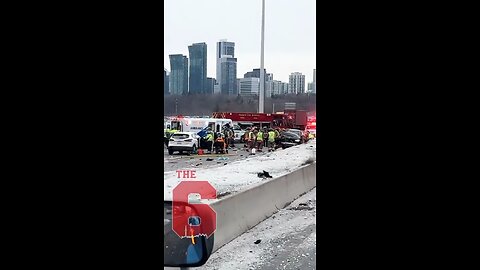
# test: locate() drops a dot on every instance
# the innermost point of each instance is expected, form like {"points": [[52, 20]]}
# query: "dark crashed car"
{"points": [[300, 133], [289, 139]]}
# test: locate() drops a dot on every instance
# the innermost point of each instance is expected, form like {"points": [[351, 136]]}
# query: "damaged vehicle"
{"points": [[289, 139], [183, 141]]}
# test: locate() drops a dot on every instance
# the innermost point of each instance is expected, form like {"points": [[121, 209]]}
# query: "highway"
{"points": [[183, 161], [287, 241]]}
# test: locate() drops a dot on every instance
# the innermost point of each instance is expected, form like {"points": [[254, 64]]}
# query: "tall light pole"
{"points": [[176, 105], [261, 97]]}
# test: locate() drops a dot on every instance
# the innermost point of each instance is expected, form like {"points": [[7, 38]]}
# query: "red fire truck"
{"points": [[311, 123], [288, 119]]}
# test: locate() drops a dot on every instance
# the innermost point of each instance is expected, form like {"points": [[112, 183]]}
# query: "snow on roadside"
{"points": [[238, 175], [287, 235]]}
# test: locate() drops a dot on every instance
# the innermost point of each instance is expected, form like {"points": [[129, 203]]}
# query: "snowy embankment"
{"points": [[238, 175], [287, 240]]}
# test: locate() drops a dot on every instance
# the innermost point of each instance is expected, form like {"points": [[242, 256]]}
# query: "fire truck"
{"points": [[288, 119], [311, 123]]}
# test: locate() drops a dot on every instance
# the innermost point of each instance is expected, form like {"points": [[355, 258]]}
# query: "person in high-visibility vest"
{"points": [[250, 139], [209, 138], [260, 140], [220, 143], [271, 140], [253, 138], [165, 139], [172, 131]]}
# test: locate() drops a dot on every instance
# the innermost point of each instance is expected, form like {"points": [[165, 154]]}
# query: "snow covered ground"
{"points": [[238, 175], [286, 240]]}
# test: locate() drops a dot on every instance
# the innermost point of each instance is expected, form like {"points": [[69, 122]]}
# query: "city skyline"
{"points": [[197, 77], [290, 33]]}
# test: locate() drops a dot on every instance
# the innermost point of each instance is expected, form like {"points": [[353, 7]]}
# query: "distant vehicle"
{"points": [[297, 119], [311, 123], [190, 124], [245, 120], [183, 141], [300, 133], [239, 130], [243, 125], [289, 139]]}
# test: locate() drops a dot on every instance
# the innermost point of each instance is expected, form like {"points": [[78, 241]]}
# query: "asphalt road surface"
{"points": [[183, 161], [286, 240]]}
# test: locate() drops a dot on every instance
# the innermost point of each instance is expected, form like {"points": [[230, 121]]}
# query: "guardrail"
{"points": [[239, 212]]}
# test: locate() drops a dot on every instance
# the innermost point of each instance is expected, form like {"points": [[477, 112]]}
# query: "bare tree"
{"points": [[201, 104]]}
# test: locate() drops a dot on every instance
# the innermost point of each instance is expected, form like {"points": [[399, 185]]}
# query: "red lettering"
{"points": [[186, 174], [207, 215]]}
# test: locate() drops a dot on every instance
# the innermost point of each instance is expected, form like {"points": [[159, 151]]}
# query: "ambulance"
{"points": [[191, 124]]}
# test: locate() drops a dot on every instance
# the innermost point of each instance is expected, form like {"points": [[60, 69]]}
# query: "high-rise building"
{"points": [[297, 83], [255, 73], [314, 80], [238, 86], [178, 74], [197, 82], [210, 85], [166, 90], [226, 67], [268, 79], [285, 87], [310, 87], [228, 80], [269, 88], [276, 88], [225, 47], [249, 87]]}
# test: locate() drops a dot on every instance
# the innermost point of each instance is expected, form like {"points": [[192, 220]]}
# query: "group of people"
{"points": [[221, 140], [254, 137], [258, 138]]}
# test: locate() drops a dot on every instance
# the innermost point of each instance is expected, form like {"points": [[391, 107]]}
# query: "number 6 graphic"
{"points": [[200, 218]]}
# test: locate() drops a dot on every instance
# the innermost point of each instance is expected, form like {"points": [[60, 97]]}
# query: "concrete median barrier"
{"points": [[241, 211]]}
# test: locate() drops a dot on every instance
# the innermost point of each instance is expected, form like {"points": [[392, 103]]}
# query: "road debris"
{"points": [[264, 174]]}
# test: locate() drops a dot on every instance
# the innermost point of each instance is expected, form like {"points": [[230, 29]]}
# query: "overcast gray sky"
{"points": [[290, 33]]}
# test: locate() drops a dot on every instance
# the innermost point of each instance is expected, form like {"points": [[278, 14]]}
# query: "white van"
{"points": [[197, 124]]}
